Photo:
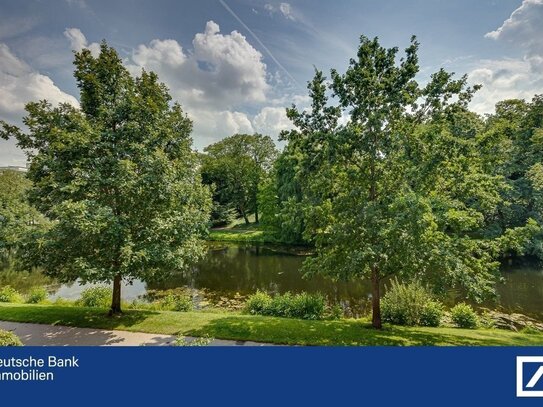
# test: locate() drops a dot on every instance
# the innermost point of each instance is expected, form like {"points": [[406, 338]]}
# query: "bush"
{"points": [[10, 294], [302, 306], [176, 302], [36, 295], [258, 303], [96, 297], [9, 339], [410, 304], [464, 316], [431, 314]]}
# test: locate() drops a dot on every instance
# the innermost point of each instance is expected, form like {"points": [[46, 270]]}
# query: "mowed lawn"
{"points": [[230, 325]]}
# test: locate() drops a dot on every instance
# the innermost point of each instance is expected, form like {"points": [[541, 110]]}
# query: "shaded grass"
{"points": [[262, 329], [252, 233]]}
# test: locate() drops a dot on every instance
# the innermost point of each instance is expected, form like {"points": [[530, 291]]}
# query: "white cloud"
{"points": [[271, 121], [285, 9], [523, 28], [223, 71], [221, 75], [20, 84], [78, 41], [509, 78]]}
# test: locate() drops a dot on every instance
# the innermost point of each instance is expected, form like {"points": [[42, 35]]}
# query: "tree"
{"points": [[402, 191], [117, 177], [237, 166], [17, 217]]}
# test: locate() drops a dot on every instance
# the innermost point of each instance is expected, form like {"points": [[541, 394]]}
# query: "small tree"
{"points": [[117, 177]]}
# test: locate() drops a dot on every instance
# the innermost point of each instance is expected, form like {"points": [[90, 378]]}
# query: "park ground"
{"points": [[239, 327]]}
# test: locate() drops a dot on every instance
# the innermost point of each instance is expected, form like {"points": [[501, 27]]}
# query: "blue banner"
{"points": [[246, 376]]}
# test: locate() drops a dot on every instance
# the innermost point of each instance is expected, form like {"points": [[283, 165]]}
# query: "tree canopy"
{"points": [[401, 188], [117, 178], [236, 166]]}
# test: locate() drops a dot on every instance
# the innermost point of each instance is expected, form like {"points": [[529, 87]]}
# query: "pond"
{"points": [[235, 271]]}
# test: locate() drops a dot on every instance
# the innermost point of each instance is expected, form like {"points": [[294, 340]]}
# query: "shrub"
{"points": [[302, 306], [308, 306], [176, 302], [36, 295], [96, 297], [464, 316], [9, 339], [257, 303], [432, 313], [10, 294], [410, 304]]}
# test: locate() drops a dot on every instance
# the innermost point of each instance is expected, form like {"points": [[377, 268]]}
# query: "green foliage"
{"points": [[432, 313], [10, 294], [234, 326], [201, 341], [410, 304], [117, 177], [18, 220], [258, 303], [236, 166], [9, 339], [176, 302], [95, 297], [403, 187], [36, 295], [464, 316], [301, 306]]}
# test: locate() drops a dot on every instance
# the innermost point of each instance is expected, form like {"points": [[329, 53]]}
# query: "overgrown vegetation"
{"points": [[10, 294], [411, 304], [302, 305], [9, 339]]}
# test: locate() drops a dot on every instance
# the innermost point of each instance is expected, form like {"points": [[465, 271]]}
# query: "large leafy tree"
{"points": [[237, 166], [117, 177], [403, 190]]}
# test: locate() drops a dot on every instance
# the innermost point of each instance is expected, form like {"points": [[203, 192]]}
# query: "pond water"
{"points": [[234, 271]]}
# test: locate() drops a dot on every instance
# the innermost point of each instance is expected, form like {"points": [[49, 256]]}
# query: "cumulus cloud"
{"points": [[223, 70], [219, 76], [272, 120], [20, 84], [78, 41], [509, 78]]}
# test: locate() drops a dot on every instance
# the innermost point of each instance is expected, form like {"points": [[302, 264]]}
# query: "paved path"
{"points": [[55, 335]]}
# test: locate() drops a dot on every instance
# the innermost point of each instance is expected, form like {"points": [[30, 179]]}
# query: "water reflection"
{"points": [[230, 270]]}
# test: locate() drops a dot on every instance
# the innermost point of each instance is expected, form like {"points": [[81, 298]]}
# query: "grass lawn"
{"points": [[229, 325], [251, 233]]}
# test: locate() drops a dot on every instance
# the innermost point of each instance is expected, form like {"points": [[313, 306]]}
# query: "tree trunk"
{"points": [[116, 300], [256, 214], [375, 299], [244, 216]]}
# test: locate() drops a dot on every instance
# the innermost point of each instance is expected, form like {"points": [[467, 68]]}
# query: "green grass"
{"points": [[251, 233], [262, 329]]}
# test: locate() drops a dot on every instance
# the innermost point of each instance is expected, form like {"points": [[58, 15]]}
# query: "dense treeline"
{"points": [[382, 176]]}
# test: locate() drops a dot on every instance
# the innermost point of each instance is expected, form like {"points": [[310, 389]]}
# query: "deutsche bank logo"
{"points": [[529, 376]]}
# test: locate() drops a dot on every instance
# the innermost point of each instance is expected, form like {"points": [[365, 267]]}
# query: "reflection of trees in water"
{"points": [[245, 270]]}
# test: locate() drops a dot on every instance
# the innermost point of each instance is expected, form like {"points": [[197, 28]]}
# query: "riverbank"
{"points": [[235, 326]]}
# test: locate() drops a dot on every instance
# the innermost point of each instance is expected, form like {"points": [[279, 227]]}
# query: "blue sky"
{"points": [[235, 65]]}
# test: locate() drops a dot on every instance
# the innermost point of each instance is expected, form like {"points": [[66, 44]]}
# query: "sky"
{"points": [[234, 65]]}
